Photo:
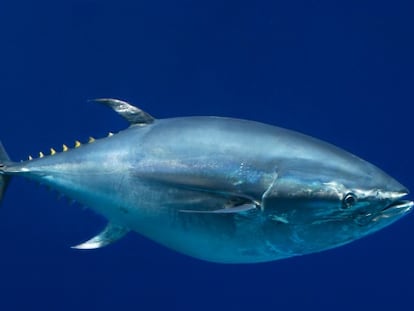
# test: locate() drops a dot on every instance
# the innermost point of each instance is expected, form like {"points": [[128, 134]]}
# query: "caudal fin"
{"points": [[4, 178]]}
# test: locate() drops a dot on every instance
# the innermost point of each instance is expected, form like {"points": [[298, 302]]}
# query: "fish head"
{"points": [[332, 199]]}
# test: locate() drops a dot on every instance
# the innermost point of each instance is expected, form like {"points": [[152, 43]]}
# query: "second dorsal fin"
{"points": [[132, 114]]}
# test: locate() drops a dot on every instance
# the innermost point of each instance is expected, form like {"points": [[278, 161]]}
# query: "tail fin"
{"points": [[4, 178]]}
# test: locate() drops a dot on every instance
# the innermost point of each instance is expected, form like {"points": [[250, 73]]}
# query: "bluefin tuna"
{"points": [[218, 189]]}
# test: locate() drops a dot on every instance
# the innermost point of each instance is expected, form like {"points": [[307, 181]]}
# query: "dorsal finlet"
{"points": [[132, 114], [91, 140], [64, 148], [77, 144], [52, 151], [41, 155], [30, 158], [110, 134]]}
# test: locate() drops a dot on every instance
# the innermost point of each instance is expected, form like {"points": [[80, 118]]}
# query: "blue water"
{"points": [[342, 71]]}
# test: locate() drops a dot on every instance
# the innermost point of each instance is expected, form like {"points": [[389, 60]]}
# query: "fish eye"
{"points": [[349, 200]]}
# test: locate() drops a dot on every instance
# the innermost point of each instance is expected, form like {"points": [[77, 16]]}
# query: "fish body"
{"points": [[219, 189]]}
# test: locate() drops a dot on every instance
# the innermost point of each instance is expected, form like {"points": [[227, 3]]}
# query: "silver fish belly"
{"points": [[219, 189]]}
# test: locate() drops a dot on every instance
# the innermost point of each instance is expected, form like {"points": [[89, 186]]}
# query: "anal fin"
{"points": [[110, 234]]}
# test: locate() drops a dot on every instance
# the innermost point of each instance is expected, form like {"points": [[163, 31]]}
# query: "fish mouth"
{"points": [[398, 207]]}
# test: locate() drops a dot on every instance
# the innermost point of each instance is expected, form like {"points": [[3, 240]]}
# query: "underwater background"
{"points": [[342, 71]]}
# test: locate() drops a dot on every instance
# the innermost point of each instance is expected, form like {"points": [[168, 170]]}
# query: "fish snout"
{"points": [[389, 185]]}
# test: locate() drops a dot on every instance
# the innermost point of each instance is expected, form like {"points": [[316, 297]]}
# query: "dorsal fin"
{"points": [[132, 114]]}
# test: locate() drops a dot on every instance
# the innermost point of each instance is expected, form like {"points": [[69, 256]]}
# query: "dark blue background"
{"points": [[342, 71]]}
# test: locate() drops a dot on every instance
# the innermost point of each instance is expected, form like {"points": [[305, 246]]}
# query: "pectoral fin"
{"points": [[228, 210], [109, 235]]}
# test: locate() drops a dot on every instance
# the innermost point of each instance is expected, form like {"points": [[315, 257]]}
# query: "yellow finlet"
{"points": [[41, 155], [110, 134], [91, 139], [65, 148], [52, 151], [30, 158], [77, 144]]}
